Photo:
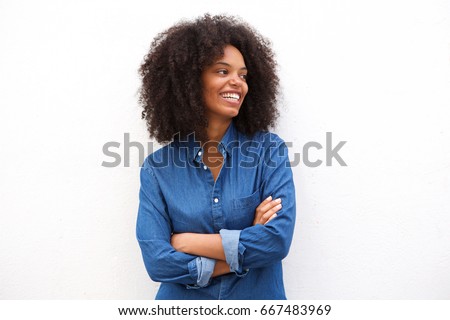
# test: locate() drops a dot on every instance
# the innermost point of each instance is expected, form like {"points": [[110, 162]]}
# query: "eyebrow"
{"points": [[229, 65]]}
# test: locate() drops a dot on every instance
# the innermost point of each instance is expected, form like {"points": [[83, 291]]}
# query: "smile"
{"points": [[232, 96]]}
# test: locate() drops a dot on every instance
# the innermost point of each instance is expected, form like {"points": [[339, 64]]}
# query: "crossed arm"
{"points": [[210, 245]]}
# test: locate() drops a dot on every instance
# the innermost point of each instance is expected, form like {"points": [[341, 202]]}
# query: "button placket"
{"points": [[216, 203]]}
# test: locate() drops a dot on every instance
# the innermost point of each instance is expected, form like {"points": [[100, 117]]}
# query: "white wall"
{"points": [[374, 73]]}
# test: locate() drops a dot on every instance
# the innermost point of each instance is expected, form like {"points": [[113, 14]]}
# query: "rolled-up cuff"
{"points": [[234, 251], [201, 269]]}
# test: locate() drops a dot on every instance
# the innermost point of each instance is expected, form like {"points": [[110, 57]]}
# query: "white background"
{"points": [[374, 73]]}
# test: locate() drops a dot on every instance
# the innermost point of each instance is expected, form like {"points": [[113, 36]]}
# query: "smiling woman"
{"points": [[216, 220]]}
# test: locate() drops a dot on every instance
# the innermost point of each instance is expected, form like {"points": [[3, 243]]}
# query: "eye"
{"points": [[244, 76], [222, 71]]}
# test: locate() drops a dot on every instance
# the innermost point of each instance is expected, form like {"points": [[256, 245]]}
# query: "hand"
{"points": [[267, 210]]}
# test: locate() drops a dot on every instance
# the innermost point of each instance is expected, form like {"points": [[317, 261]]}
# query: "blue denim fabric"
{"points": [[178, 194]]}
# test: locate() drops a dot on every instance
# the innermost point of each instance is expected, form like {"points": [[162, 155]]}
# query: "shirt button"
{"points": [[216, 200], [205, 167], [199, 153]]}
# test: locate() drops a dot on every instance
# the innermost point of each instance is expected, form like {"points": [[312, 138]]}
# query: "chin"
{"points": [[233, 114]]}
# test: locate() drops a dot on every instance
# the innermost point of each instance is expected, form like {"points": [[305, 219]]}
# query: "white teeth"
{"points": [[234, 96]]}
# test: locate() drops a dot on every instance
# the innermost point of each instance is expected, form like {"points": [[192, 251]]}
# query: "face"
{"points": [[224, 85]]}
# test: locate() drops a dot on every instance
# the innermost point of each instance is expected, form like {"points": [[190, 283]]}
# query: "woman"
{"points": [[217, 204]]}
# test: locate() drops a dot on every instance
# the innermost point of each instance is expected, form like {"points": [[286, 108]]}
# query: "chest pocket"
{"points": [[243, 211], [249, 201]]}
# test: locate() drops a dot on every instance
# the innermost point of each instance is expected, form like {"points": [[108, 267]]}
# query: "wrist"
{"points": [[221, 268]]}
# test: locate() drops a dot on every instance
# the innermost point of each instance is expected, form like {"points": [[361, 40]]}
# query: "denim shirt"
{"points": [[178, 194]]}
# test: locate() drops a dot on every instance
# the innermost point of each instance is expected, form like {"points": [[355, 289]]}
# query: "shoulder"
{"points": [[264, 140], [159, 158], [264, 148], [271, 148], [267, 137]]}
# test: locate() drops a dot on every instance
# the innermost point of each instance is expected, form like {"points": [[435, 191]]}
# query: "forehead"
{"points": [[231, 54]]}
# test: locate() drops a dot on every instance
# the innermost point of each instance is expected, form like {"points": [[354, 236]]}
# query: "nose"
{"points": [[235, 80]]}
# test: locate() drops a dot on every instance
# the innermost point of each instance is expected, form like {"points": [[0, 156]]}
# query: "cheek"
{"points": [[209, 94], [209, 97], [245, 89]]}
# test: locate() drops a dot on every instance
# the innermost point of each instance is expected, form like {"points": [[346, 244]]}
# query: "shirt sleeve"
{"points": [[261, 245], [205, 268], [233, 251], [153, 232]]}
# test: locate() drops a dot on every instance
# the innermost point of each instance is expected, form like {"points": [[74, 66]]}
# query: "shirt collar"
{"points": [[227, 144], [229, 139]]}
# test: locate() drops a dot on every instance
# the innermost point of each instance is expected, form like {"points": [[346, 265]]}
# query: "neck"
{"points": [[216, 129]]}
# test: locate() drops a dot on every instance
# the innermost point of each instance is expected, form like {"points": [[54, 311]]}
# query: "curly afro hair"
{"points": [[171, 92]]}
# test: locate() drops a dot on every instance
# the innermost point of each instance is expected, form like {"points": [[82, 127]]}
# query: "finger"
{"points": [[265, 201], [259, 211], [263, 208], [271, 217], [269, 213], [270, 205]]}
